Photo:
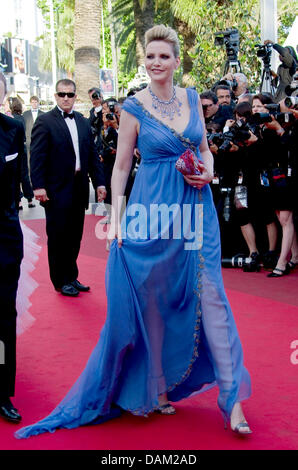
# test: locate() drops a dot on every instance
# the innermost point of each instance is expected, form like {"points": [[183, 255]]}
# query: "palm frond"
{"points": [[123, 35], [130, 59]]}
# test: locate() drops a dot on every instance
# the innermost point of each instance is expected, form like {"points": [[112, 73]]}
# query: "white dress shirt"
{"points": [[34, 114], [71, 124], [97, 110]]}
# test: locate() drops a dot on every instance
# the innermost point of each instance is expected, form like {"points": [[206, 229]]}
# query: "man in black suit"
{"points": [[96, 119], [30, 117], [12, 137], [95, 115], [62, 156]]}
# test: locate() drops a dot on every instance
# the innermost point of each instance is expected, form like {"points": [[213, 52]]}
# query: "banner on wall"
{"points": [[107, 82], [18, 53]]}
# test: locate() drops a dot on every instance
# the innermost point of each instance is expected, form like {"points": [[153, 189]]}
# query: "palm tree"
{"points": [[138, 15], [64, 25], [144, 19], [188, 47], [131, 18], [87, 45]]}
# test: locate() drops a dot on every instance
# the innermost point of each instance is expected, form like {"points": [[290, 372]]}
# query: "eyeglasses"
{"points": [[62, 94]]}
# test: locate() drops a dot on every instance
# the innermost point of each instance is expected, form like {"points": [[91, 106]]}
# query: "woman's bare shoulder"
{"points": [[141, 95]]}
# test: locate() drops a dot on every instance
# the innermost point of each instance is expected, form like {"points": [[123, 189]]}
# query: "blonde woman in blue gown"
{"points": [[169, 332]]}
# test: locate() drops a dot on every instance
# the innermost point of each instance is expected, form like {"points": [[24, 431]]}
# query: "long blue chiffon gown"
{"points": [[169, 326]]}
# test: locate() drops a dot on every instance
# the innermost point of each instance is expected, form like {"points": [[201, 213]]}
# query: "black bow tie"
{"points": [[66, 115]]}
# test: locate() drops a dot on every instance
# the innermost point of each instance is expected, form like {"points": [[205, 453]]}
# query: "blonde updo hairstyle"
{"points": [[161, 32]]}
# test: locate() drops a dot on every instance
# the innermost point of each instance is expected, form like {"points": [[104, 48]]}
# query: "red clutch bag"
{"points": [[187, 163]]}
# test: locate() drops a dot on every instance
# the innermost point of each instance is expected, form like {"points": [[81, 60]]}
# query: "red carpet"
{"points": [[54, 351]]}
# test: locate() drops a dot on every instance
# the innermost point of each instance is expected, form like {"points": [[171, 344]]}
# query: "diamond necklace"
{"points": [[166, 108]]}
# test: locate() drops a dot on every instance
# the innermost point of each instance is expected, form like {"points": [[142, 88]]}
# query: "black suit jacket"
{"points": [[53, 157], [12, 137], [28, 118], [11, 237]]}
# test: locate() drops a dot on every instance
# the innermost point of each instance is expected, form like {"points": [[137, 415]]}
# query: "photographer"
{"points": [[224, 95], [286, 69], [258, 212], [246, 97], [238, 83], [213, 111], [291, 138], [95, 117], [272, 135], [109, 140], [226, 148]]}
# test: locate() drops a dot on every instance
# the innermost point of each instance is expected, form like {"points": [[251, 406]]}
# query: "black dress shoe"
{"points": [[68, 290], [9, 412], [80, 287]]}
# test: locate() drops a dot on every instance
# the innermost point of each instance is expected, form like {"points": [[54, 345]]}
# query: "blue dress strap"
{"points": [[131, 106], [192, 98]]}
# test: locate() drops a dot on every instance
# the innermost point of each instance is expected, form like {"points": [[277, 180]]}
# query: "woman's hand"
{"points": [[199, 181], [114, 232]]}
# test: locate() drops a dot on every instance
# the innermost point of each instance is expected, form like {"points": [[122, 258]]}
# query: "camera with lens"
{"points": [[111, 114], [233, 84], [292, 89], [229, 38], [291, 102], [215, 138], [111, 105], [264, 52], [238, 134], [95, 95], [238, 261], [274, 110], [227, 204]]}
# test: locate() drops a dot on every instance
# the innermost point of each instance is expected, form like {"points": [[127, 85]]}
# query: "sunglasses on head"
{"points": [[62, 94]]}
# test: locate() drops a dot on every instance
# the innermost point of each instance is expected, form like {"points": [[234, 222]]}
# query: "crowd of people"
{"points": [[253, 143], [249, 149], [253, 138], [264, 230]]}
